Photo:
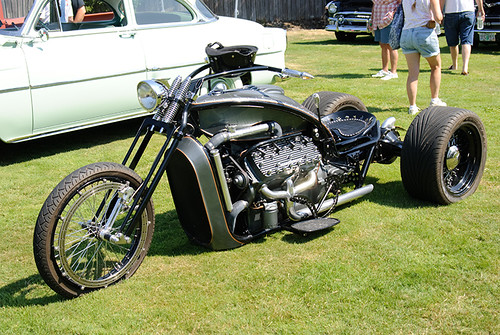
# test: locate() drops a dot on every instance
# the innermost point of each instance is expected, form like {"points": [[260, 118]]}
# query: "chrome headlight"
{"points": [[332, 7], [151, 93]]}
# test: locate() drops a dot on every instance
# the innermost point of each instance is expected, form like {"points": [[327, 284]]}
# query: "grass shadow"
{"points": [[25, 151], [359, 40], [17, 294], [482, 48], [393, 194], [169, 238]]}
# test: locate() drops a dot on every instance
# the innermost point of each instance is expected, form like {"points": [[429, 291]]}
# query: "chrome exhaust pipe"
{"points": [[341, 200]]}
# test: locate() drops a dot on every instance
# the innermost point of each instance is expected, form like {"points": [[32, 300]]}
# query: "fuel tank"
{"points": [[250, 105]]}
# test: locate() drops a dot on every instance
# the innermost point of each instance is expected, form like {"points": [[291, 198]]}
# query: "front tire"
{"points": [[444, 154], [71, 255]]}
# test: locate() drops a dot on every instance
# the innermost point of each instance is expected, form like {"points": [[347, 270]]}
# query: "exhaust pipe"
{"points": [[341, 200]]}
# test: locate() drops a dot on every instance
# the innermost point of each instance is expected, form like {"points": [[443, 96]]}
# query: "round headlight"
{"points": [[332, 8], [151, 93]]}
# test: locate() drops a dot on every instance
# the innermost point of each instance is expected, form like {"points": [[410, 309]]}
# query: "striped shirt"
{"points": [[383, 12]]}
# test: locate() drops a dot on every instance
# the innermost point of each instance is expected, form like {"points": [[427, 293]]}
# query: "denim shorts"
{"points": [[382, 35], [459, 25], [420, 40]]}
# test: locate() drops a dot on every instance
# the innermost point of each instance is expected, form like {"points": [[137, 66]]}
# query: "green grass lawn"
{"points": [[395, 265]]}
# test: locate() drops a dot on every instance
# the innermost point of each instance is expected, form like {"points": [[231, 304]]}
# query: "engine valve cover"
{"points": [[273, 161]]}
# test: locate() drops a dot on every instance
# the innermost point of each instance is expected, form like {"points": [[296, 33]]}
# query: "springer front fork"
{"points": [[135, 201]]}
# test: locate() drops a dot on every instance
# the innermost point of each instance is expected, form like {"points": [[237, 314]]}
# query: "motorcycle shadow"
{"points": [[169, 239], [392, 194], [18, 293]]}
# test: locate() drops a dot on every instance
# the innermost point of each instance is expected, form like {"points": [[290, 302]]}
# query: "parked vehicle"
{"points": [[242, 163], [491, 29], [58, 77], [349, 18]]}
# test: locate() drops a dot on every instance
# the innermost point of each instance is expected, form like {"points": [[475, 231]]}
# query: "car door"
{"points": [[84, 75], [174, 34], [165, 29]]}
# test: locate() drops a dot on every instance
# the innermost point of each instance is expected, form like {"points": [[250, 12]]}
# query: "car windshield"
{"points": [[14, 13]]}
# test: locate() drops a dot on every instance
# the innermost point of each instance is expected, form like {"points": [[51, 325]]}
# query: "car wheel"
{"points": [[344, 37]]}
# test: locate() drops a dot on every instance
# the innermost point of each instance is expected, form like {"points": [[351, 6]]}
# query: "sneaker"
{"points": [[413, 110], [437, 102], [390, 76], [380, 74]]}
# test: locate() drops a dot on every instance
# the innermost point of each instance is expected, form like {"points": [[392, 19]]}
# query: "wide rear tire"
{"points": [[331, 102], [444, 154]]}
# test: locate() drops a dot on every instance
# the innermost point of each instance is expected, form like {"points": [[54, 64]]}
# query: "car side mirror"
{"points": [[43, 34]]}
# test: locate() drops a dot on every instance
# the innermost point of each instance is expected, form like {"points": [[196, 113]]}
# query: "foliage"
{"points": [[395, 265], [96, 6]]}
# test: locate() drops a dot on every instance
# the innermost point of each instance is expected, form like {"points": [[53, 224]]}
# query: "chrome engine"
{"points": [[290, 170], [273, 161]]}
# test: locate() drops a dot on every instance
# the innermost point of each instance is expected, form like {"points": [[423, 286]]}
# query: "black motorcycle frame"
{"points": [[174, 132], [267, 163]]}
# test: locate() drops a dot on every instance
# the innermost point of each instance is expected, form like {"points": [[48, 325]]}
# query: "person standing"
{"points": [[459, 20], [66, 11], [78, 10], [382, 15], [419, 38]]}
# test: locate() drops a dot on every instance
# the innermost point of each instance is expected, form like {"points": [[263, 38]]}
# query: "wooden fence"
{"points": [[255, 10], [16, 8], [270, 10]]}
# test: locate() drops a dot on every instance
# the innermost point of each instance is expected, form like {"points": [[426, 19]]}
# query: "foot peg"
{"points": [[311, 226]]}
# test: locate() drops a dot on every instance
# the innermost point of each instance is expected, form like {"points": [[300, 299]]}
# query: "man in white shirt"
{"points": [[459, 20]]}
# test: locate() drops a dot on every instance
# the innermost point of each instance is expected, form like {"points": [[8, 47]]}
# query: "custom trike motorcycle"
{"points": [[242, 163]]}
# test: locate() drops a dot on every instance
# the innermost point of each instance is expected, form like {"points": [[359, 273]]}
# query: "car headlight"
{"points": [[332, 7], [151, 93]]}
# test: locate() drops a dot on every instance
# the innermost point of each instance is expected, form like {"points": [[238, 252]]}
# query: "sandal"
{"points": [[464, 73], [451, 68]]}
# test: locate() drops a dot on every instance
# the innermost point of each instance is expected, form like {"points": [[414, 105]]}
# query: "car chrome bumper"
{"points": [[353, 22], [486, 31], [348, 29]]}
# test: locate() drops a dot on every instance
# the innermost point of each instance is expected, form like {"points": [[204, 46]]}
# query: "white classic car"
{"points": [[62, 76]]}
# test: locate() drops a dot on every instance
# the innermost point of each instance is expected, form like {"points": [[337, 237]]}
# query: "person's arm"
{"points": [[441, 3], [436, 11], [480, 8], [80, 14]]}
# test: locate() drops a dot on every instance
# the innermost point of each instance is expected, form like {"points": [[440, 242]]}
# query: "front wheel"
{"points": [[71, 252], [444, 154]]}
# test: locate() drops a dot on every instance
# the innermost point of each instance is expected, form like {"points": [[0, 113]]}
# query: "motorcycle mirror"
{"points": [[296, 74]]}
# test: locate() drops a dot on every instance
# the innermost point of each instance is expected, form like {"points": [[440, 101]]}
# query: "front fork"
{"points": [[143, 194]]}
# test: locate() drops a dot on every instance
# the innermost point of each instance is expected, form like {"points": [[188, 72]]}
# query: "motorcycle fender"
{"points": [[197, 198]]}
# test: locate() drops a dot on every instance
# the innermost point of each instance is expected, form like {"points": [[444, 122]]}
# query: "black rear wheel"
{"points": [[71, 251], [331, 102], [444, 154]]}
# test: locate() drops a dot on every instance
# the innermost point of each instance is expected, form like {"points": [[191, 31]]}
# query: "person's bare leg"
{"points": [[385, 56], [394, 59], [413, 61], [454, 57], [435, 81], [466, 51]]}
